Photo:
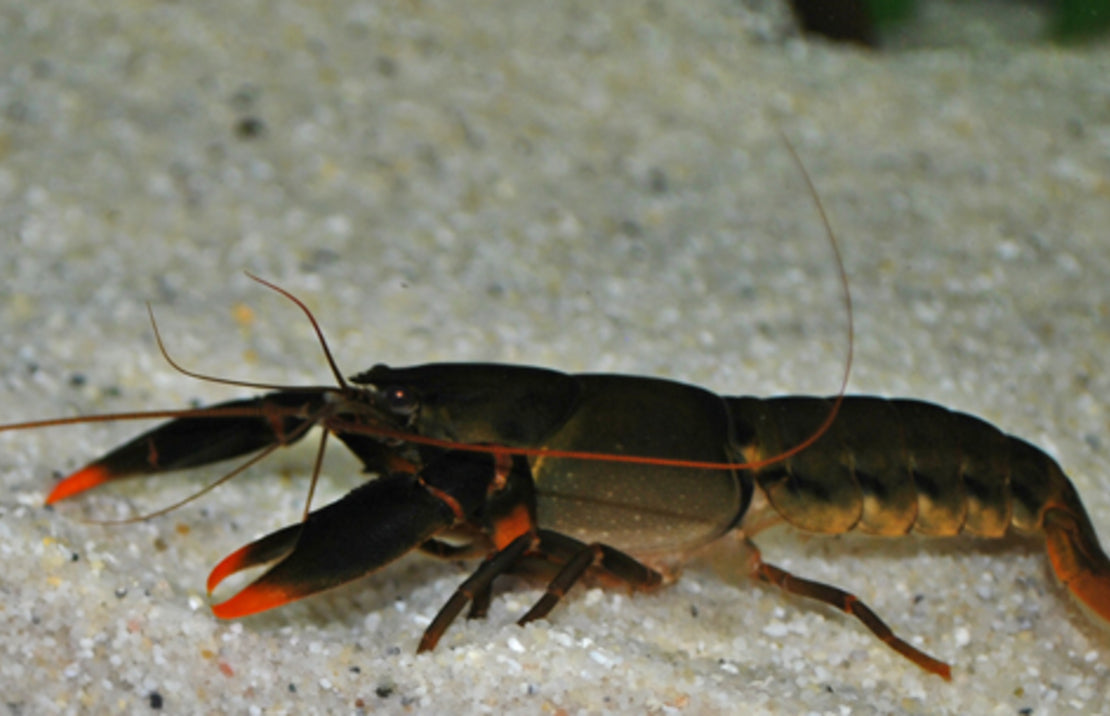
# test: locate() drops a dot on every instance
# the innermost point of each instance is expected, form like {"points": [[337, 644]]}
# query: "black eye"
{"points": [[400, 401]]}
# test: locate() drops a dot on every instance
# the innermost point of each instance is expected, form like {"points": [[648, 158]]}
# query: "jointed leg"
{"points": [[476, 587], [580, 557], [849, 604]]}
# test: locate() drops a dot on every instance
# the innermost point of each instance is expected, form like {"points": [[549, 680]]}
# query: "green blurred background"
{"points": [[868, 21]]}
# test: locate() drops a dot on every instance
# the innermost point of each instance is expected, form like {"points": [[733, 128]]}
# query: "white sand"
{"points": [[537, 183]]}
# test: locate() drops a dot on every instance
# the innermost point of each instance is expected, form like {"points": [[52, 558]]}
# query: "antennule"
{"points": [[311, 319]]}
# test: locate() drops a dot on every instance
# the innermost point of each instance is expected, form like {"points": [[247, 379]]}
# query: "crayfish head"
{"points": [[474, 402]]}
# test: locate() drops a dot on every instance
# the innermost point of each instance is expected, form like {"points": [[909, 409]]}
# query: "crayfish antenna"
{"points": [[315, 473], [850, 331]]}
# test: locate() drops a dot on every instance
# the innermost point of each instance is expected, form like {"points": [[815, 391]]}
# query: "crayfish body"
{"points": [[542, 472]]}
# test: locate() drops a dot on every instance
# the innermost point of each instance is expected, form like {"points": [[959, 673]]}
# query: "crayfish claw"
{"points": [[267, 549], [86, 478], [361, 532]]}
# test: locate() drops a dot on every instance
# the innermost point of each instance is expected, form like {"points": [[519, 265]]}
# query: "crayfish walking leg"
{"points": [[542, 551], [847, 603], [538, 549]]}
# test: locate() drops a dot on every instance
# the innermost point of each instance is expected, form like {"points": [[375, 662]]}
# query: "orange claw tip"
{"points": [[84, 479], [255, 598], [228, 566]]}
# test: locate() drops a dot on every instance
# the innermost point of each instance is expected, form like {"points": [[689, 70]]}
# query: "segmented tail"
{"points": [[1076, 554]]}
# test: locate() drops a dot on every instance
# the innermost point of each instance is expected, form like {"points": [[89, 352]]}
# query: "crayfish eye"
{"points": [[400, 401]]}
